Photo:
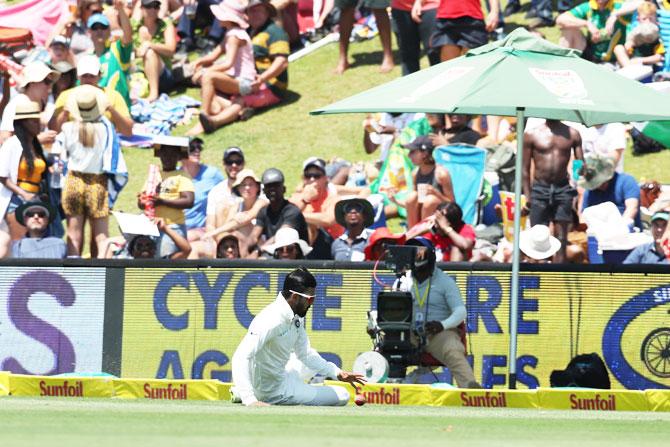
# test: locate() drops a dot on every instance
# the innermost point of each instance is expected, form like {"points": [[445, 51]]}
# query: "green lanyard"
{"points": [[421, 299]]}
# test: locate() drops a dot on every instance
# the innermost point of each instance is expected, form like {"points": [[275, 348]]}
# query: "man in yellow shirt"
{"points": [[88, 72]]}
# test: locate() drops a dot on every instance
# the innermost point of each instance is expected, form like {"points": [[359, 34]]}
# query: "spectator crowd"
{"points": [[62, 166]]}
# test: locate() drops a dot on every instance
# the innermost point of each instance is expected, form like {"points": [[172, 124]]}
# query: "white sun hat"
{"points": [[538, 243]]}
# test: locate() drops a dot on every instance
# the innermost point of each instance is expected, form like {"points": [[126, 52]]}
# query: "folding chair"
{"points": [[466, 165]]}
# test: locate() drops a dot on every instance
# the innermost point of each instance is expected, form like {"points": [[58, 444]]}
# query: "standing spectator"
{"points": [[114, 56], [347, 13], [198, 14], [34, 85], [355, 215], [603, 184], [88, 73], [651, 253], [22, 166], [67, 79], [204, 179], [75, 28], [83, 143], [414, 22], [317, 202], [451, 236], [279, 213], [432, 183], [156, 42], [598, 44], [59, 51], [175, 193], [608, 140], [288, 245], [460, 26], [36, 216], [235, 74]]}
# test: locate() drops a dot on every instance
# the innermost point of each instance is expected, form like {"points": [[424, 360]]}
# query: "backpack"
{"points": [[642, 144], [584, 371]]}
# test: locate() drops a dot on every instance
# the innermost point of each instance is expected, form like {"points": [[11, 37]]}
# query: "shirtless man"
{"points": [[550, 146]]}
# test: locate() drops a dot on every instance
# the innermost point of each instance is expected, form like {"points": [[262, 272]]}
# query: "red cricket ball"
{"points": [[360, 400]]}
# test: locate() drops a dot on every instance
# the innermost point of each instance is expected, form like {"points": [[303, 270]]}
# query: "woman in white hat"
{"points": [[22, 167], [82, 143], [288, 245], [538, 245]]}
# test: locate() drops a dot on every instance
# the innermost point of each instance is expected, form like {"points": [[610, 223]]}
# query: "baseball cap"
{"points": [[662, 215], [316, 162], [60, 40], [88, 64], [97, 18], [272, 175], [422, 143], [148, 2], [233, 150]]}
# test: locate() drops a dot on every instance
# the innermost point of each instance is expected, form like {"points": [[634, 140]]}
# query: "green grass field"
{"points": [[99, 423]]}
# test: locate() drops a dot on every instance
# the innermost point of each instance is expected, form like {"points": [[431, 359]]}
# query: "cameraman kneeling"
{"points": [[438, 310]]}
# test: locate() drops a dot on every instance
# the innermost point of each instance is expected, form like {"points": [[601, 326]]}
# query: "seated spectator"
{"points": [[381, 130], [432, 183], [114, 56], [36, 215], [279, 213], [651, 253], [197, 14], [22, 166], [316, 200], [643, 45], [204, 179], [355, 215], [537, 245], [142, 246], [75, 26], [156, 43], [592, 16], [234, 74], [240, 214], [459, 132], [603, 184], [88, 73], [233, 163], [175, 193], [288, 245], [34, 85], [379, 240], [228, 247], [450, 235]]}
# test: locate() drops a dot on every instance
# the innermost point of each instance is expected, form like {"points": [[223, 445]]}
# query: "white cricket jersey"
{"points": [[259, 363]]}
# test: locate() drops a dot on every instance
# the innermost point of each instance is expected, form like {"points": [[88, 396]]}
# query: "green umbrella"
{"points": [[521, 75]]}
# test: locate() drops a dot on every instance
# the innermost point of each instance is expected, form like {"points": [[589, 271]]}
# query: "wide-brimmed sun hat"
{"points": [[243, 174], [538, 243], [598, 169], [26, 109], [230, 11], [343, 205], [87, 103], [286, 236], [36, 72], [25, 208]]}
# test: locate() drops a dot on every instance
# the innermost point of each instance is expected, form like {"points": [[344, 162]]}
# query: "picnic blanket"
{"points": [[39, 16], [160, 116]]}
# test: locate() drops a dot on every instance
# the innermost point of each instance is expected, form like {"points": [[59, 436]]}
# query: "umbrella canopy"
{"points": [[521, 71]]}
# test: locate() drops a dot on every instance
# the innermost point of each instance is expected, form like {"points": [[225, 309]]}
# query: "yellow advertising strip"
{"points": [[659, 400], [391, 393], [600, 400], [485, 398], [224, 390], [4, 383], [45, 386], [166, 389]]}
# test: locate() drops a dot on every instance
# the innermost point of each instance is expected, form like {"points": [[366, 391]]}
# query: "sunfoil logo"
{"points": [[655, 349]]}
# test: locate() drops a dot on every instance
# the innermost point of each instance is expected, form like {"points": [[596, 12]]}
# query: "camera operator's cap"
{"points": [[538, 243], [661, 215], [25, 208], [421, 143], [382, 233], [36, 72], [26, 109], [316, 162], [233, 150], [270, 7], [60, 40], [420, 241], [98, 18], [367, 210], [272, 175], [602, 168], [88, 64]]}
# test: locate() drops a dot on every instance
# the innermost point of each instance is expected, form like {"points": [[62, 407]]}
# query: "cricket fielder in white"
{"points": [[262, 373]]}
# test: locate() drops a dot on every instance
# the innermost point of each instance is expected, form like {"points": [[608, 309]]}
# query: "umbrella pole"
{"points": [[514, 292]]}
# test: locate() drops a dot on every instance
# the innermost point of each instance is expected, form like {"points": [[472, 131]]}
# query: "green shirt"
{"points": [[158, 38], [604, 49], [114, 64], [268, 43]]}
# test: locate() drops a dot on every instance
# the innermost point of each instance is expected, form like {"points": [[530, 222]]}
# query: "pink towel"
{"points": [[40, 16]]}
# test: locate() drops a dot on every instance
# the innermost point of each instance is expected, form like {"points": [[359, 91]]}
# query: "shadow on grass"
{"points": [[371, 58]]}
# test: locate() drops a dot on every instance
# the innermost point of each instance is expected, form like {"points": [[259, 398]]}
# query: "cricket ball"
{"points": [[360, 400]]}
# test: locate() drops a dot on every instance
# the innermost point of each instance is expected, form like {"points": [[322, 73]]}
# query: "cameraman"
{"points": [[438, 311]]}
